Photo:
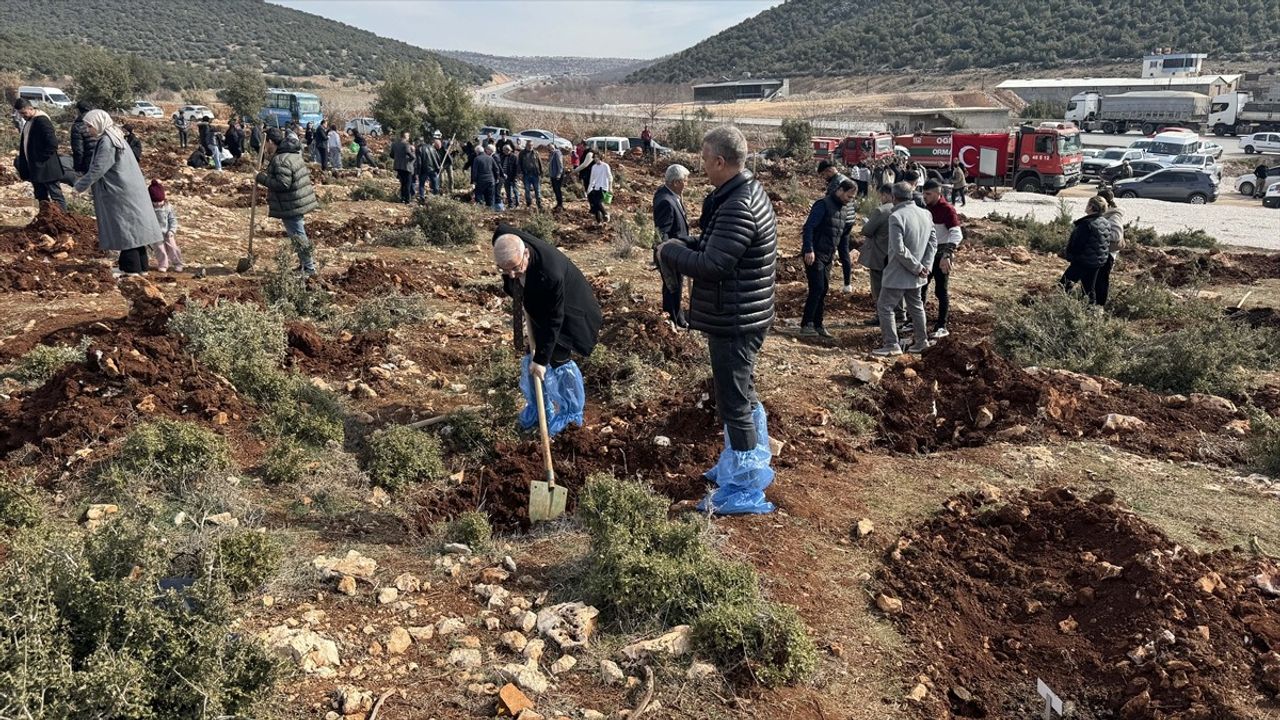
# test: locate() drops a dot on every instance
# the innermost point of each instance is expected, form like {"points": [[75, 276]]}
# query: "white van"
{"points": [[1173, 144], [619, 145], [44, 96]]}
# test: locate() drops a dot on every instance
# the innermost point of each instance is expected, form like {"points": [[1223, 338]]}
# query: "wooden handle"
{"points": [[253, 201], [542, 407]]}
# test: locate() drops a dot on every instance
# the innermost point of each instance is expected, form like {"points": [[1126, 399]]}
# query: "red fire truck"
{"points": [[855, 148], [1044, 158]]}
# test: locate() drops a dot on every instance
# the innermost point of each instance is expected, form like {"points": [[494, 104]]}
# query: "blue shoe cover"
{"points": [[567, 393], [529, 415], [742, 475]]}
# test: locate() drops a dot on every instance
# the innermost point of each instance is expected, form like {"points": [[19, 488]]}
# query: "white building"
{"points": [[1171, 64], [1061, 89]]}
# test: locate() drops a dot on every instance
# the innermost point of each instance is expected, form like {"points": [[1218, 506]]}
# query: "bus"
{"points": [[286, 106]]}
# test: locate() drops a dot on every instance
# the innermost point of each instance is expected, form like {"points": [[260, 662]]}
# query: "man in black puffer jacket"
{"points": [[822, 233], [81, 152], [732, 266], [290, 194], [1087, 250]]}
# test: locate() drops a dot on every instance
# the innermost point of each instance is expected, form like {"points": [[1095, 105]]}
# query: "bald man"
{"points": [[564, 318]]}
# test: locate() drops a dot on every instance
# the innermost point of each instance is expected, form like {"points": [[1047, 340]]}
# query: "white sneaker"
{"points": [[939, 333], [887, 351], [848, 288]]}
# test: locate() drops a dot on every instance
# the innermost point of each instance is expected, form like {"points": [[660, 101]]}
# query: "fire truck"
{"points": [[1044, 158], [855, 148]]}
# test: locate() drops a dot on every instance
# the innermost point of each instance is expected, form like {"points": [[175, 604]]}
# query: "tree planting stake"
{"points": [[1052, 703]]}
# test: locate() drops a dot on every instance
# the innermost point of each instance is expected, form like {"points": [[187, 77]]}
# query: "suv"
{"points": [[1260, 143], [366, 126], [1200, 161], [541, 139], [619, 145], [1247, 183], [195, 112], [1110, 158], [144, 108], [1174, 184]]}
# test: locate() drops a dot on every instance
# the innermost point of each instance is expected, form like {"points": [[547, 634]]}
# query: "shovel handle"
{"points": [[253, 201], [542, 410]]}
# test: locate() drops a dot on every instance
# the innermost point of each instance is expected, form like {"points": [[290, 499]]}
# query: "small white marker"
{"points": [[1052, 703]]}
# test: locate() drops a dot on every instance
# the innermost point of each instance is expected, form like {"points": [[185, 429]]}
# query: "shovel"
{"points": [[547, 500], [246, 262]]}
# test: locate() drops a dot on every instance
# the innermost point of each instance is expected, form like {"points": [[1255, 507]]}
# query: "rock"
{"points": [[509, 563], [353, 565], [569, 624], [469, 641], [514, 640], [222, 519], [1137, 707], [1068, 626], [526, 621], [492, 623], [456, 549], [494, 575], [309, 650], [533, 650], [918, 693], [1117, 423], [889, 605], [675, 643], [407, 583], [422, 633], [1174, 401], [610, 673], [531, 715], [466, 658], [864, 528], [1202, 401], [350, 700], [984, 418], [662, 441], [527, 678], [1268, 581], [989, 493], [449, 626], [388, 595], [592, 715], [1208, 295], [1012, 432], [563, 664], [1239, 428], [96, 514], [1107, 571], [512, 702], [700, 671], [1270, 664], [865, 371], [398, 641], [1019, 255], [495, 595], [347, 585], [362, 390], [1210, 583]]}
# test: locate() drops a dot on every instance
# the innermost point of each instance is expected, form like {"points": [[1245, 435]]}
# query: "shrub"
{"points": [[473, 434], [797, 134], [686, 134], [1140, 235], [855, 422], [234, 339], [398, 456], [542, 226], [88, 630], [620, 378], [383, 312], [306, 413], [445, 222], [1209, 357], [761, 641], [43, 362], [1061, 330], [19, 507], [409, 236], [472, 529], [374, 190], [1264, 442], [246, 559], [1050, 237], [630, 233], [1147, 299], [497, 381], [1196, 238], [285, 462], [80, 206], [288, 291], [172, 452]]}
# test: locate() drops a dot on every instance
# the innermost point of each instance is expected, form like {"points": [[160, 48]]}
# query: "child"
{"points": [[166, 252]]}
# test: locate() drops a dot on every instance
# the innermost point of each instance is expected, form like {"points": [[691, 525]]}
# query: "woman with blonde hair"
{"points": [[126, 220]]}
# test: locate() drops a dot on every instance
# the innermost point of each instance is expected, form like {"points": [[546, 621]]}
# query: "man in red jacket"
{"points": [[946, 223]]}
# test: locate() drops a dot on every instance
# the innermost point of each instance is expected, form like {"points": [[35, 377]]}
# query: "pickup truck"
{"points": [[1093, 168]]}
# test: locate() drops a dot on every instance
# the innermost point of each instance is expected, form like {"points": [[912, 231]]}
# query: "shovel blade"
{"points": [[559, 498], [244, 264], [539, 501]]}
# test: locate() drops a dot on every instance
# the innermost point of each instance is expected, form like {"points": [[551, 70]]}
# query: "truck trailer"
{"points": [[1149, 111], [855, 148], [1238, 114], [1044, 158]]}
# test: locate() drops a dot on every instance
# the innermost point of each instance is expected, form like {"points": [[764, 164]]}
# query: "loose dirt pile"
{"points": [[1110, 613], [944, 402], [53, 232], [312, 353], [1178, 267], [27, 274], [360, 228]]}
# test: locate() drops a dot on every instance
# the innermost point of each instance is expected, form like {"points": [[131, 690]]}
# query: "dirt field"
{"points": [[1036, 545]]}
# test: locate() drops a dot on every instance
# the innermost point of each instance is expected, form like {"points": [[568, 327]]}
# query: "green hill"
{"points": [[192, 39], [847, 37]]}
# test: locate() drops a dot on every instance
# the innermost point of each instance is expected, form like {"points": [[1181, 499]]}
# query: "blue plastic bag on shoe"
{"points": [[742, 475], [567, 393], [529, 415]]}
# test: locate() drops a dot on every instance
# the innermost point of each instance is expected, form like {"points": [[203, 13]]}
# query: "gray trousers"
{"points": [[877, 277], [733, 362], [890, 299]]}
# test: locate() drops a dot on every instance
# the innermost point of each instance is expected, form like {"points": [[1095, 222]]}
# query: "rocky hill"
{"points": [[846, 37], [546, 64]]}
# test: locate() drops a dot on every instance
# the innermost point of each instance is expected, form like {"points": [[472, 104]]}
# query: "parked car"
{"points": [[366, 126], [1143, 145], [1141, 168], [195, 112], [1260, 143], [1197, 160], [1090, 152], [1272, 198], [1247, 183], [1109, 159], [1173, 184], [619, 145], [1213, 150], [542, 138], [41, 96], [144, 108], [493, 130], [658, 147]]}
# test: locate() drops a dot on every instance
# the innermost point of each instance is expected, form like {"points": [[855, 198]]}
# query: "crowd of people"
{"points": [[501, 167]]}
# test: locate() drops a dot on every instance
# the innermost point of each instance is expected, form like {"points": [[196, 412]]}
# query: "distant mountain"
{"points": [[43, 35], [546, 65], [848, 37]]}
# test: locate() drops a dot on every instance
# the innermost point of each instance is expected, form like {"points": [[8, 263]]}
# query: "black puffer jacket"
{"points": [[1090, 241], [81, 154], [288, 182], [733, 263]]}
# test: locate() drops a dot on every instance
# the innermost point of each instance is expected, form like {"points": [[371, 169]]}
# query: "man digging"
{"points": [[564, 318]]}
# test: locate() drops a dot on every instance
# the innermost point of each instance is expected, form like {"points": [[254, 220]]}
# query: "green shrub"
{"points": [[397, 457], [86, 630], [446, 222], [288, 291], [171, 452], [384, 312], [233, 338], [43, 362], [1264, 442], [760, 641], [77, 205], [1213, 356], [285, 462], [497, 382], [686, 134], [1147, 299], [637, 231], [19, 507], [246, 559], [474, 434], [472, 529], [1133, 234], [855, 422], [1061, 330], [374, 190], [797, 134], [1050, 237], [306, 413], [542, 226], [408, 236], [621, 378], [1196, 238]]}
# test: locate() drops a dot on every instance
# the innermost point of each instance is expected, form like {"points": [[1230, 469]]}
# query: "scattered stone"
{"points": [[347, 585], [466, 658], [1068, 626], [349, 700], [469, 641], [494, 576], [611, 674], [492, 623], [675, 643], [388, 595], [1210, 583], [456, 549], [1203, 401], [514, 640], [527, 678], [512, 702], [569, 624], [592, 715], [985, 418], [407, 583], [449, 626], [533, 650], [309, 650], [223, 519], [1117, 423], [399, 641], [1239, 428], [889, 605], [353, 565], [864, 528], [1012, 432], [865, 371], [96, 515], [1019, 255], [1106, 571], [422, 633], [662, 441], [918, 693], [563, 665], [700, 671], [526, 621]]}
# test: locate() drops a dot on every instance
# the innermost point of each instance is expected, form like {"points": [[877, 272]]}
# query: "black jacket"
{"points": [[509, 166], [80, 151], [235, 141], [668, 214], [428, 159], [135, 144], [850, 210], [530, 162], [402, 154], [733, 263], [824, 227], [1090, 241], [561, 305], [484, 170], [40, 163]]}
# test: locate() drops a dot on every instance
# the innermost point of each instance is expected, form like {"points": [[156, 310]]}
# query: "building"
{"points": [[1264, 86], [749, 89], [1060, 90], [906, 120], [1170, 64]]}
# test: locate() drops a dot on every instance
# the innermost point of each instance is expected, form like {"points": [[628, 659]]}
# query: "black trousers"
{"points": [[733, 362], [957, 196], [1102, 285], [134, 261], [846, 260], [182, 137], [598, 211], [557, 187], [819, 277], [1087, 277], [671, 300], [49, 192], [941, 289], [406, 185]]}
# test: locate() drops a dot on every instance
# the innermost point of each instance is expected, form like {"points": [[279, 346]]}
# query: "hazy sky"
{"points": [[594, 28]]}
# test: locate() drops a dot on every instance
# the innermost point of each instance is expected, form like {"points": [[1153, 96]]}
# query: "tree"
{"points": [[797, 135], [103, 80], [146, 77], [246, 90], [449, 108], [686, 134], [396, 106]]}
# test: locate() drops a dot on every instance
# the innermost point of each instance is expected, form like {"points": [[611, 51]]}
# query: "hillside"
{"points": [[42, 36], [545, 64], [843, 37]]}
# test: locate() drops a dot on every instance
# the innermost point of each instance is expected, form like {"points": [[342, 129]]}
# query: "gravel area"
{"points": [[1231, 224]]}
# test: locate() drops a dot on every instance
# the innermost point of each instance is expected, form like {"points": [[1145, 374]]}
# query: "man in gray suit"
{"points": [[912, 245], [875, 251]]}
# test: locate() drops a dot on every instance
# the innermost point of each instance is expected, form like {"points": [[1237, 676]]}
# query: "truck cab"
{"points": [[1045, 158], [865, 147], [1082, 108], [1237, 114]]}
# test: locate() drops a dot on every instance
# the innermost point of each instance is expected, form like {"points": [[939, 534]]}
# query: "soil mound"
{"points": [[944, 400], [1181, 267], [27, 274], [53, 232], [314, 354], [360, 228], [1106, 609], [638, 325]]}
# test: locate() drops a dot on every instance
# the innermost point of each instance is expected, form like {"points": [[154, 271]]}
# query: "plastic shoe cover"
{"points": [[529, 415], [742, 475], [566, 391]]}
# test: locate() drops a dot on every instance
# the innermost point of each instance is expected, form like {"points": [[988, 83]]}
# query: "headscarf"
{"points": [[99, 120]]}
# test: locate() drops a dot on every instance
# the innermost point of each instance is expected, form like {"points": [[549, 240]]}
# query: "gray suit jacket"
{"points": [[875, 251], [912, 245]]}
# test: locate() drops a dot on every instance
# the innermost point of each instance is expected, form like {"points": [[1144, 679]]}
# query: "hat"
{"points": [[156, 191], [825, 165]]}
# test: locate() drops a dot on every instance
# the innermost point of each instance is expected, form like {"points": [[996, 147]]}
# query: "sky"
{"points": [[593, 28]]}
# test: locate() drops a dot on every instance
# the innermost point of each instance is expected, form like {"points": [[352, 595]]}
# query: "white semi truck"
{"points": [[1237, 114], [1149, 111]]}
